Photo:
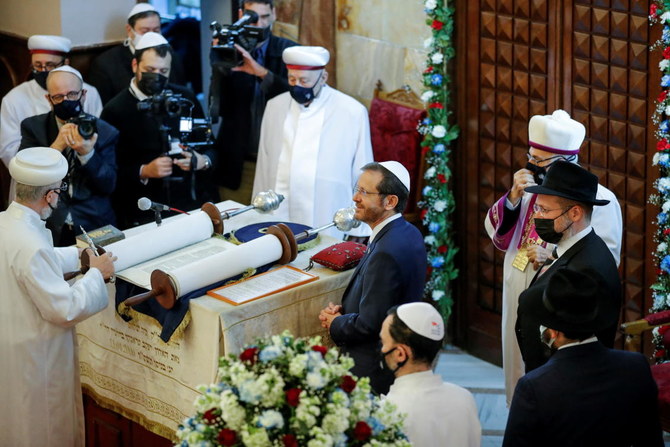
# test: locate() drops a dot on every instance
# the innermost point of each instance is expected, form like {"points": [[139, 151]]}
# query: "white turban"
{"points": [[38, 166]]}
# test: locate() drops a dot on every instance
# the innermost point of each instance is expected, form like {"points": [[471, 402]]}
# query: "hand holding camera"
{"points": [[70, 135], [159, 167]]}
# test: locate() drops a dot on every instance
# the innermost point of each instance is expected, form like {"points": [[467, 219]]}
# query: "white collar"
{"points": [[24, 212], [135, 90], [577, 343], [382, 224], [565, 245]]}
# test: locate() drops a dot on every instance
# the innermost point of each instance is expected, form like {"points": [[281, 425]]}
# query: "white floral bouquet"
{"points": [[289, 392]]}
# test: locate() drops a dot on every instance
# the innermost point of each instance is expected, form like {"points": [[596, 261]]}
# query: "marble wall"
{"points": [[374, 40], [380, 40]]}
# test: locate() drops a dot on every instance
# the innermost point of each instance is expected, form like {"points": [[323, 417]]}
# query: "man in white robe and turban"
{"points": [[41, 393], [29, 98], [314, 140]]}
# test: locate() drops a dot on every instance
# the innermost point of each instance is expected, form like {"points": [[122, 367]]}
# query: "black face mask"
{"points": [[67, 109], [301, 94], [152, 83], [539, 172], [382, 361], [545, 229], [41, 78]]}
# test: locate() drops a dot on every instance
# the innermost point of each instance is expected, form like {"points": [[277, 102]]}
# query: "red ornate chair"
{"points": [[661, 372], [394, 118]]}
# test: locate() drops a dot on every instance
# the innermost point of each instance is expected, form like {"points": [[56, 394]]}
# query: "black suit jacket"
{"points": [[589, 255], [241, 114], [112, 71], [393, 272], [140, 142], [92, 184], [586, 395]]}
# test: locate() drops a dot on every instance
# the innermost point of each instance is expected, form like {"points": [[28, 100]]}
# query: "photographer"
{"points": [[240, 94], [88, 144], [148, 165]]}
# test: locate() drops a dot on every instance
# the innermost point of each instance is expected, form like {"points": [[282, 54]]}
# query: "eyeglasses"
{"points": [[361, 191], [38, 66], [553, 157], [72, 96], [537, 209], [63, 187]]}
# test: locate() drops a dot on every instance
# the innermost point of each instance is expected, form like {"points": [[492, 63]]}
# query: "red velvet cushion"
{"points": [[658, 318], [394, 135], [342, 256]]}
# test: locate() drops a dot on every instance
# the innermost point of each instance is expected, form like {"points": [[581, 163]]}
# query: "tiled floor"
{"points": [[486, 383]]}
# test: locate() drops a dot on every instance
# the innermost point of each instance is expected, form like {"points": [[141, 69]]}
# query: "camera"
{"points": [[166, 104], [195, 131], [225, 55], [87, 125]]}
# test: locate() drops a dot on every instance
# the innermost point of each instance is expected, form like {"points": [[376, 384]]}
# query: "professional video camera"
{"points": [[195, 131], [87, 125], [166, 105], [225, 55]]}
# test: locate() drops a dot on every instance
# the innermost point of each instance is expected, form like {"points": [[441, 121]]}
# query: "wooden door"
{"points": [[518, 58]]}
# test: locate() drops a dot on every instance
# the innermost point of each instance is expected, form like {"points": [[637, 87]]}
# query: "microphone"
{"points": [[145, 205]]}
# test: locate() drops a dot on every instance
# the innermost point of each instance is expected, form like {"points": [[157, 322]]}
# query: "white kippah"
{"points": [[305, 58], [68, 69], [38, 166], [423, 319], [149, 40], [398, 170], [49, 44], [140, 8], [556, 133]]}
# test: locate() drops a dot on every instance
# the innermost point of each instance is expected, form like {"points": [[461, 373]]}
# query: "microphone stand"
{"points": [[158, 218]]}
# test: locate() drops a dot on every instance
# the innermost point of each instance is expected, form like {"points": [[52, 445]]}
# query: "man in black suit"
{"points": [[391, 273], [112, 70], [150, 166], [562, 214], [586, 394], [239, 95], [91, 174]]}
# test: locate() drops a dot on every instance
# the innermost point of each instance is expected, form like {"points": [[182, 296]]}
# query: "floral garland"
{"points": [[289, 392], [438, 200], [659, 12]]}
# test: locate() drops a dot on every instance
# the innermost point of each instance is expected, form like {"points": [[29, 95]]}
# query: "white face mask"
{"points": [[549, 342]]}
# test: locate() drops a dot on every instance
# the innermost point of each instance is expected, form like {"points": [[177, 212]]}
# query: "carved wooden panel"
{"points": [[609, 93], [518, 58]]}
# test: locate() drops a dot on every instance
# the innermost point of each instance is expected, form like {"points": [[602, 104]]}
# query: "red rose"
{"points": [[441, 178], [321, 349], [362, 431], [249, 355], [663, 329], [436, 105], [428, 70], [662, 96], [666, 53], [293, 396], [210, 416], [423, 214], [289, 440], [227, 437], [659, 353], [442, 249], [425, 150], [666, 231], [429, 270], [437, 25], [348, 383], [662, 145], [652, 9]]}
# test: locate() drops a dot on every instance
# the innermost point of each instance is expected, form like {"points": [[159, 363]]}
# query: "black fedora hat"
{"points": [[574, 301], [570, 181]]}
